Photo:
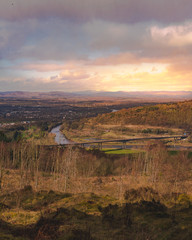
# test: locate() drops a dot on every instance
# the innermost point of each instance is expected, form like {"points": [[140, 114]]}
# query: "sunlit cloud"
{"points": [[179, 35], [67, 75]]}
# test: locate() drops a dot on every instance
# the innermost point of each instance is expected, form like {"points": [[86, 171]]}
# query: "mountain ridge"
{"points": [[168, 95]]}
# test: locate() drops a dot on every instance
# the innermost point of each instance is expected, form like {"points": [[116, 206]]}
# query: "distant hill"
{"points": [[137, 96], [39, 95], [141, 95], [169, 115]]}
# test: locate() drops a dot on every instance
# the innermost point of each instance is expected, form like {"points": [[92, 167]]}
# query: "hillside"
{"points": [[177, 115]]}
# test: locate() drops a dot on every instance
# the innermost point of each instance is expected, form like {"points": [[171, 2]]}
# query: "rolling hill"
{"points": [[169, 115]]}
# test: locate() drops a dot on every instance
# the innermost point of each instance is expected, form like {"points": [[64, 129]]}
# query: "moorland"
{"points": [[68, 192]]}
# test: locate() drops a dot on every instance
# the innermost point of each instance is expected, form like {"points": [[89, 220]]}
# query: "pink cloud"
{"points": [[69, 75], [73, 75], [42, 67], [128, 58], [175, 35], [117, 59]]}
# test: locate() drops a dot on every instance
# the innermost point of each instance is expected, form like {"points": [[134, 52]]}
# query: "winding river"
{"points": [[59, 136]]}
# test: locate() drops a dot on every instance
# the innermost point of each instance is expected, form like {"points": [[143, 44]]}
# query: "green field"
{"points": [[121, 151]]}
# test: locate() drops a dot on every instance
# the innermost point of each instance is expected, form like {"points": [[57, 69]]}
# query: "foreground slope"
{"points": [[50, 215]]}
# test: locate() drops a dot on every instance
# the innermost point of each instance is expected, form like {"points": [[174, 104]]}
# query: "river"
{"points": [[59, 136]]}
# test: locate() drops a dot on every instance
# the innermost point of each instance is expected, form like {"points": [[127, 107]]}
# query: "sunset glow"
{"points": [[103, 45]]}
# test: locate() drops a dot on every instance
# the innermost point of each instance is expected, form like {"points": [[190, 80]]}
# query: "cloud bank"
{"points": [[74, 45]]}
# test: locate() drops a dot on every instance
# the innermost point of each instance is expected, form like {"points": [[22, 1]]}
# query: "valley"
{"points": [[141, 190]]}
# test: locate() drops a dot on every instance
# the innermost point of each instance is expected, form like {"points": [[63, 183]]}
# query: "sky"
{"points": [[98, 45]]}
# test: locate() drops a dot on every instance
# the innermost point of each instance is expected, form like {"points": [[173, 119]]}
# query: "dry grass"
{"points": [[114, 186], [104, 131], [20, 216]]}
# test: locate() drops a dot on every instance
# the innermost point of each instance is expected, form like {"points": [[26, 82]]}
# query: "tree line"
{"points": [[63, 169]]}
